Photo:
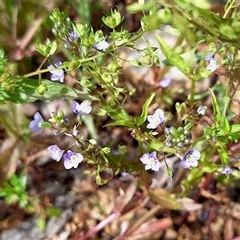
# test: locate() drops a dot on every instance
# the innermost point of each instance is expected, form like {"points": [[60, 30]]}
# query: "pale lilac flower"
{"points": [[101, 46], [201, 110], [227, 170], [212, 66], [165, 82], [190, 158], [82, 109], [72, 159], [168, 144], [156, 119], [75, 132], [229, 56], [58, 74], [209, 57], [124, 174], [151, 161], [56, 132], [36, 124], [55, 152]]}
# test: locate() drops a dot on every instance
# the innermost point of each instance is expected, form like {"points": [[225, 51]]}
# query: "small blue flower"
{"points": [[58, 74], [72, 159], [212, 66], [101, 46], [82, 109], [156, 119], [229, 56], [73, 36], [227, 170], [190, 158], [209, 57], [36, 124], [55, 152], [168, 144], [201, 110], [165, 82], [151, 161]]}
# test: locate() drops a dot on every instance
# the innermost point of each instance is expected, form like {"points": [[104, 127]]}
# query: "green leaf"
{"points": [[235, 128], [226, 126], [41, 223], [216, 110], [25, 91], [223, 29], [142, 118], [234, 136], [23, 201], [121, 123], [223, 153], [53, 211], [119, 115], [172, 57], [137, 7]]}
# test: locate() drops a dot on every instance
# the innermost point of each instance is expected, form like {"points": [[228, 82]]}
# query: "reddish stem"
{"points": [[100, 226]]}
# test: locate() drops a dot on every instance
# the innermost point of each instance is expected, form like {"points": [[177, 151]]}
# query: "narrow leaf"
{"points": [[25, 91], [235, 128], [119, 115], [223, 153], [172, 57], [216, 111], [142, 118]]}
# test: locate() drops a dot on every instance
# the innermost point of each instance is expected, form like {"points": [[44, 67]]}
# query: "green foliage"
{"points": [[172, 57], [114, 20], [142, 118], [14, 191], [47, 49], [25, 90]]}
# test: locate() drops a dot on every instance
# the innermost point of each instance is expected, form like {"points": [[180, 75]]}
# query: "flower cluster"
{"points": [[179, 137], [72, 37], [62, 26], [71, 159]]}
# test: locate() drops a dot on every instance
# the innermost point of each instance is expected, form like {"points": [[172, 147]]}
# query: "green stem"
{"points": [[62, 66], [192, 93], [230, 4]]}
